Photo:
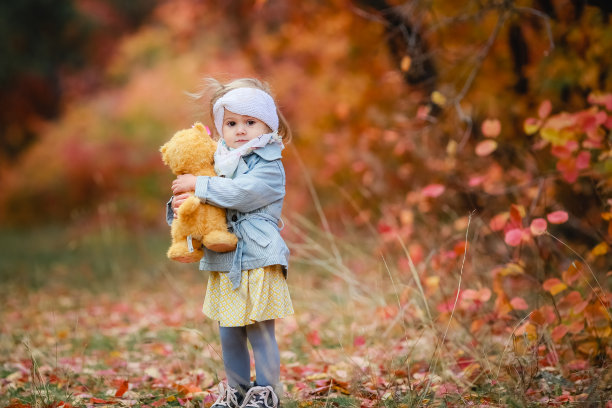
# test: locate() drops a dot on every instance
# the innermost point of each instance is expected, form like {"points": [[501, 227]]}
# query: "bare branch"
{"points": [[546, 19]]}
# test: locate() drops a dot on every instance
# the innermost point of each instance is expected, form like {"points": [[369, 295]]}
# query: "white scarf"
{"points": [[227, 159]]}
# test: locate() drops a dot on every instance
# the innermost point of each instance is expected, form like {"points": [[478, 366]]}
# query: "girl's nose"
{"points": [[241, 129]]}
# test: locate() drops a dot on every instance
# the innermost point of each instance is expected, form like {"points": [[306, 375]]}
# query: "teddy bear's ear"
{"points": [[163, 149], [199, 126]]}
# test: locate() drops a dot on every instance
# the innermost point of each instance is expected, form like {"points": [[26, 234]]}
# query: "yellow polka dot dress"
{"points": [[262, 295]]}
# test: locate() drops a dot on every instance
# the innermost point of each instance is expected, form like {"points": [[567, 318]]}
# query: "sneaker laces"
{"points": [[227, 397], [258, 396]]}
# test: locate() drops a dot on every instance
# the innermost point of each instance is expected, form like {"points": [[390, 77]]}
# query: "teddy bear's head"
{"points": [[190, 151]]}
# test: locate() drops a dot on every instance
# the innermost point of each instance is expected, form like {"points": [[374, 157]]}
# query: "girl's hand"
{"points": [[184, 184], [178, 200]]}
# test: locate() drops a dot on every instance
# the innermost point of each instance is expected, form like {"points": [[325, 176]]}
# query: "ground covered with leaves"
{"points": [[123, 333]]}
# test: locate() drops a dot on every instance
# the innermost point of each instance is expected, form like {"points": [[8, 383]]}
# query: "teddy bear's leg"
{"points": [[180, 249], [218, 238], [190, 205], [220, 241]]}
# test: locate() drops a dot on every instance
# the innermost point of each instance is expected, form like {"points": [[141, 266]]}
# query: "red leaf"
{"points": [[564, 151], [122, 389], [568, 170], [94, 400], [423, 112], [544, 109], [481, 295], [519, 303], [498, 222], [516, 214], [159, 402], [601, 99], [384, 228], [558, 332], [549, 313], [583, 160], [576, 327], [359, 341], [186, 389], [514, 237], [433, 190], [557, 217], [486, 147], [476, 180], [491, 127], [313, 338], [554, 286], [16, 404], [538, 226], [570, 300]]}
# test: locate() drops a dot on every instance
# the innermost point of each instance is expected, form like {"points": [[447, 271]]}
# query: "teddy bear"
{"points": [[191, 151]]}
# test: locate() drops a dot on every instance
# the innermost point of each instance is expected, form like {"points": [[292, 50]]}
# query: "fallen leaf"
{"points": [[94, 400], [122, 389], [359, 341], [313, 338]]}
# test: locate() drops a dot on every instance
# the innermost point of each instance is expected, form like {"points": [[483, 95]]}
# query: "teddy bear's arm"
{"points": [[262, 185]]}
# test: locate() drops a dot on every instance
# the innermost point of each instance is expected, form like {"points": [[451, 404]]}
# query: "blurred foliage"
{"points": [[435, 133], [51, 52], [368, 140]]}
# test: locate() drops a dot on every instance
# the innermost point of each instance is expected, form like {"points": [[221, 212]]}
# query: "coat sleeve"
{"points": [[169, 211], [260, 186]]}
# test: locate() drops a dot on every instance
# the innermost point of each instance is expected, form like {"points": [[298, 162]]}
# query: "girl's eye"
{"points": [[231, 123], [250, 122]]}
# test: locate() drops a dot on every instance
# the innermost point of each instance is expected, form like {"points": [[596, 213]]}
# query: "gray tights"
{"points": [[236, 357]]}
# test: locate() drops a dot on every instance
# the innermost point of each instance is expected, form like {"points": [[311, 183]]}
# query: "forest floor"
{"points": [[106, 320]]}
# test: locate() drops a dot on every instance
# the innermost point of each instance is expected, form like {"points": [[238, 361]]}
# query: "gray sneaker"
{"points": [[228, 397], [260, 397]]}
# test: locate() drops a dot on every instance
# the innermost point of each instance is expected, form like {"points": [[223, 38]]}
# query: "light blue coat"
{"points": [[254, 200]]}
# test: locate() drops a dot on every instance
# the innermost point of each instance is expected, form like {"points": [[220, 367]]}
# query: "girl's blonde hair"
{"points": [[216, 90]]}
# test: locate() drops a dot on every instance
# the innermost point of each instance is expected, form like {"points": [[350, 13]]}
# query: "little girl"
{"points": [[247, 288]]}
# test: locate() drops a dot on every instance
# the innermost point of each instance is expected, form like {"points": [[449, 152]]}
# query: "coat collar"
{"points": [[270, 152]]}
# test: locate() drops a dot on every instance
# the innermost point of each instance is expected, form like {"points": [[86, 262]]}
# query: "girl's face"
{"points": [[239, 129]]}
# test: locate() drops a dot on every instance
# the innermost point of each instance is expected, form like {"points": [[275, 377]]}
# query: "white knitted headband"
{"points": [[249, 102]]}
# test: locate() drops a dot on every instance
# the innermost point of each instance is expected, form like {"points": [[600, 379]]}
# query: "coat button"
{"points": [[234, 218]]}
